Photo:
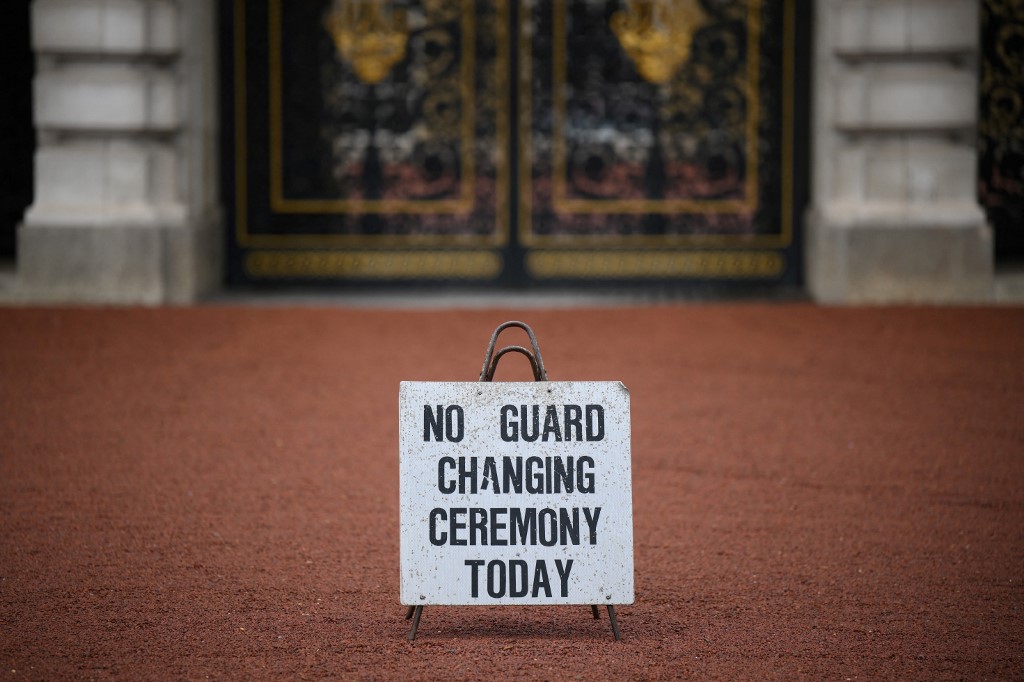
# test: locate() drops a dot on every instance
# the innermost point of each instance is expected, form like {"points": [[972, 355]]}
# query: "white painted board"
{"points": [[498, 508]]}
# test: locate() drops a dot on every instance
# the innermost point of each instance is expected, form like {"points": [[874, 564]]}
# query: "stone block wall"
{"points": [[125, 109], [894, 214]]}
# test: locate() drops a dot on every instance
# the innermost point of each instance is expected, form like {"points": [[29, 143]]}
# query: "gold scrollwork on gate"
{"points": [[368, 36], [373, 264], [629, 264], [657, 34]]}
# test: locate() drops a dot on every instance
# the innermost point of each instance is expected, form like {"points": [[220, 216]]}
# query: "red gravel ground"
{"points": [[213, 492]]}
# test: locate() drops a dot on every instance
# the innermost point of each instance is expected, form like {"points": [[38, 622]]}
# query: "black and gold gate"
{"points": [[513, 141]]}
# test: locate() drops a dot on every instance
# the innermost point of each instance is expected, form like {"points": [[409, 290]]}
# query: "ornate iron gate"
{"points": [[513, 141]]}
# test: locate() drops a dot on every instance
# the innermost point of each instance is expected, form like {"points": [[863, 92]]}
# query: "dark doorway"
{"points": [[17, 137], [1001, 126]]}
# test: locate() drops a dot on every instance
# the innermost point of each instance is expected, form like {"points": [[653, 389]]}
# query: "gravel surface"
{"points": [[213, 492]]}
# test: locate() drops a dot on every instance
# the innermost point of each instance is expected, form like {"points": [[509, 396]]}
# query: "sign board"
{"points": [[515, 493]]}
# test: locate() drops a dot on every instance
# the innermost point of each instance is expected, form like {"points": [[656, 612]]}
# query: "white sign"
{"points": [[515, 493]]}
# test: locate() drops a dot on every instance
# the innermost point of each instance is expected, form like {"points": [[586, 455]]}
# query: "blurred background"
{"points": [[847, 151]]}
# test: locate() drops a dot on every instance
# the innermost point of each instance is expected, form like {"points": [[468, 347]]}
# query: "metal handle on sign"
{"points": [[491, 359]]}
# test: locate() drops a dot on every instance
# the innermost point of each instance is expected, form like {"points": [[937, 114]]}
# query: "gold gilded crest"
{"points": [[368, 36], [657, 34]]}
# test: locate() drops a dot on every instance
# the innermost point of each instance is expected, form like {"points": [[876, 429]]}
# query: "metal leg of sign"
{"points": [[593, 610], [408, 614], [418, 610], [615, 623]]}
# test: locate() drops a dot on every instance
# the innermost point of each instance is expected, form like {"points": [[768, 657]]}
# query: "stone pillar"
{"points": [[125, 204], [894, 215]]}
